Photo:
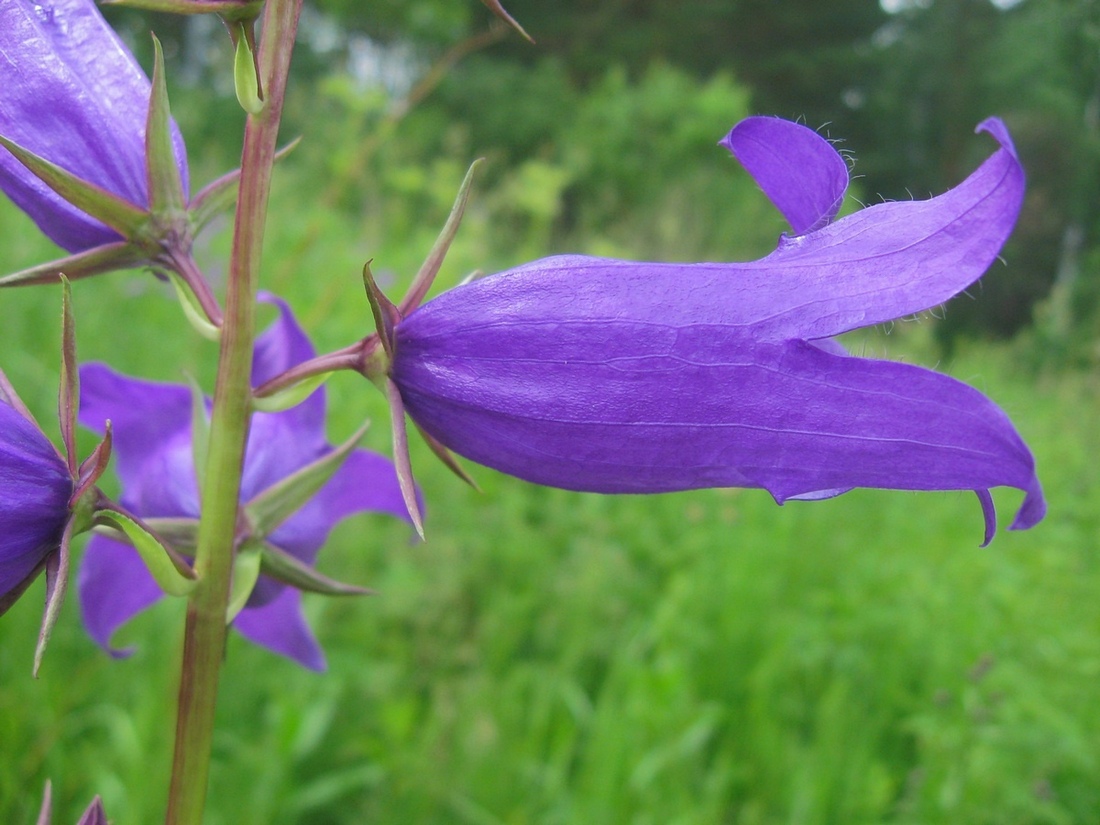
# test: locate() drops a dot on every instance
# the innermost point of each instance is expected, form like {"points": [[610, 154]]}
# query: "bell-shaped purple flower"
{"points": [[35, 487], [72, 93], [623, 377], [154, 456]]}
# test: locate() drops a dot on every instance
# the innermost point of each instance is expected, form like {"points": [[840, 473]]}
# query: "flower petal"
{"points": [[73, 94], [366, 483], [280, 627], [114, 587], [616, 405], [894, 259], [281, 346], [798, 170], [34, 497], [152, 438]]}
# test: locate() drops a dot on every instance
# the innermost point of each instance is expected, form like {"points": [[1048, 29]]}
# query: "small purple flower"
{"points": [[73, 94], [153, 454], [35, 487], [615, 376]]}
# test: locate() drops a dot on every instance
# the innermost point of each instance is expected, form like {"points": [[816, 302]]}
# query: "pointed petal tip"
{"points": [[995, 126], [989, 514], [1032, 511]]}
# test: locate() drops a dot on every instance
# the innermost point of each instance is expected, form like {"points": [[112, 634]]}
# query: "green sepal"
{"points": [[57, 584], [283, 499], [430, 268], [220, 195], [106, 258], [192, 309], [68, 397], [246, 79], [181, 534], [246, 572], [171, 573], [118, 213], [282, 566], [165, 186], [291, 396], [446, 456], [499, 11], [401, 461], [385, 312], [229, 9]]}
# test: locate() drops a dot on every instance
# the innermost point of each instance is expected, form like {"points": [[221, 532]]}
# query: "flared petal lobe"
{"points": [[613, 376], [73, 94], [35, 487], [155, 460], [798, 170]]}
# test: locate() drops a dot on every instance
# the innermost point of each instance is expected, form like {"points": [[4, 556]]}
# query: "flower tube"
{"points": [[616, 376]]}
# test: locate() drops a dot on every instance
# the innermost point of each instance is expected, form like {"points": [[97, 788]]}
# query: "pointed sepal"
{"points": [[162, 170], [496, 8], [181, 534], [430, 268], [401, 460], [68, 397], [385, 312], [118, 213], [45, 813], [246, 572], [90, 471], [94, 261], [282, 566], [229, 9], [266, 511], [446, 456], [220, 195], [169, 570], [57, 584]]}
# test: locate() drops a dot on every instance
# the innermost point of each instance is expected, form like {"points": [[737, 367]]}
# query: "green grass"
{"points": [[555, 658]]}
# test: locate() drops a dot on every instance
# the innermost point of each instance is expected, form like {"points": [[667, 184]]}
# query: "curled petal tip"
{"points": [[996, 127]]}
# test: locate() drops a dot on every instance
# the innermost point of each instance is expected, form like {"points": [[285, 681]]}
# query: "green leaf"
{"points": [[118, 213], [283, 499], [290, 396], [165, 186], [246, 571], [172, 574], [282, 566]]}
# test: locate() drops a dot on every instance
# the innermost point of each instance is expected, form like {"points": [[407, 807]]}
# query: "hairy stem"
{"points": [[204, 635]]}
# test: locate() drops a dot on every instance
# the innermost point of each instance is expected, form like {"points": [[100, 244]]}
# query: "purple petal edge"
{"points": [[799, 171]]}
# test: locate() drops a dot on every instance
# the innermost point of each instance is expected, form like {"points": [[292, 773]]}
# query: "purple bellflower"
{"points": [[154, 456], [74, 95], [35, 488], [615, 376]]}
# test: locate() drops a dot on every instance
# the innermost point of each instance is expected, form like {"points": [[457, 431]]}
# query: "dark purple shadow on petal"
{"points": [[280, 627], [114, 587], [798, 170], [34, 497]]}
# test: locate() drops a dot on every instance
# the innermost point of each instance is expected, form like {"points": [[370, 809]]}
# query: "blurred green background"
{"points": [[547, 657]]}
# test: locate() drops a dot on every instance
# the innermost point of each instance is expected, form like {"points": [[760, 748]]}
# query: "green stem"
{"points": [[204, 635]]}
